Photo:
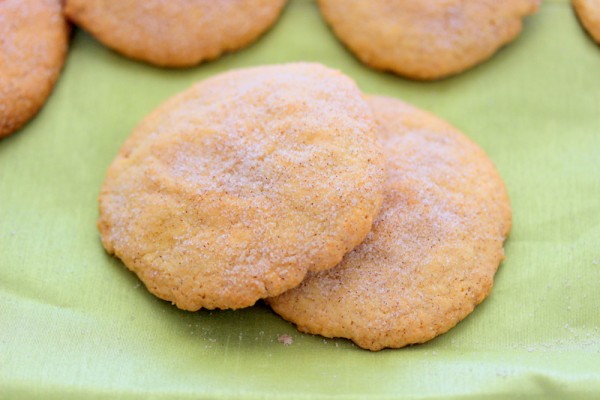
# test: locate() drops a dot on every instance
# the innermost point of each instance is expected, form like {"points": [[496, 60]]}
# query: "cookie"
{"points": [[588, 12], [177, 33], [235, 188], [33, 46], [426, 39], [434, 248]]}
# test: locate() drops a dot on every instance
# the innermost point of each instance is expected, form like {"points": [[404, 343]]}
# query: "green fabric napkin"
{"points": [[74, 323]]}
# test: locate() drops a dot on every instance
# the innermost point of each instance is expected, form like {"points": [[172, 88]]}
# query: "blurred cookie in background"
{"points": [[33, 45], [588, 12], [176, 33], [427, 39]]}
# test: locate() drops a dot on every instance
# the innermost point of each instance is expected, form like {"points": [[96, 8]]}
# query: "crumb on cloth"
{"points": [[285, 339]]}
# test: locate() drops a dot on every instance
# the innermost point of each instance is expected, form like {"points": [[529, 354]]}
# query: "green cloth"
{"points": [[74, 323]]}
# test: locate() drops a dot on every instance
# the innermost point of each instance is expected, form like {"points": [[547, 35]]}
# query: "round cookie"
{"points": [[588, 12], [426, 39], [33, 46], [234, 189], [434, 248], [176, 33]]}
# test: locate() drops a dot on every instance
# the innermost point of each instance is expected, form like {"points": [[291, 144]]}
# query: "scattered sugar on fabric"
{"points": [[285, 339]]}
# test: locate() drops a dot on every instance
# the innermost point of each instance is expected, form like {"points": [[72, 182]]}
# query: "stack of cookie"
{"points": [[357, 217]]}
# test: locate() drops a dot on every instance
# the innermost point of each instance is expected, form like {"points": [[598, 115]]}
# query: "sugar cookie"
{"points": [[426, 39], [234, 189], [434, 248], [588, 12], [33, 46], [176, 33]]}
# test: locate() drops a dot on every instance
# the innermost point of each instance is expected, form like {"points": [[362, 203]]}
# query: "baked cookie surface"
{"points": [[588, 12], [427, 39], [175, 33], [33, 46], [234, 189], [434, 248]]}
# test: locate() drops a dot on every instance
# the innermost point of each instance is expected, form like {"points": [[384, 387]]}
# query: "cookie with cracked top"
{"points": [[234, 189]]}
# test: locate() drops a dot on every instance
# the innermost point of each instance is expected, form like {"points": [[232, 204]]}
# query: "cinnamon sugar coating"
{"points": [[434, 248], [234, 189]]}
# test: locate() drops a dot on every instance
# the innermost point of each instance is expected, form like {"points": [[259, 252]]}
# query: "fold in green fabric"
{"points": [[74, 323]]}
